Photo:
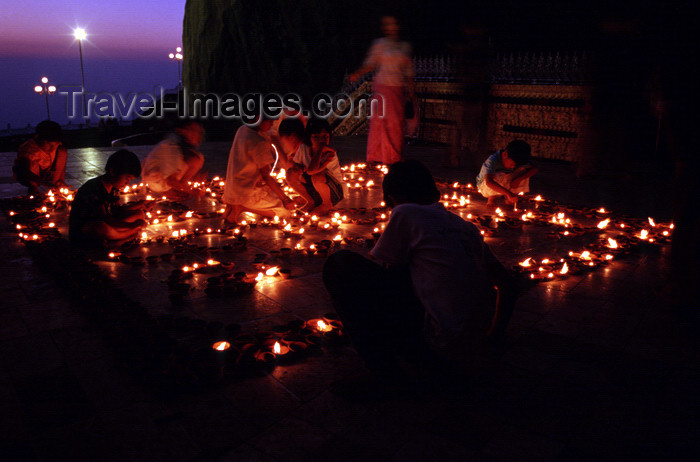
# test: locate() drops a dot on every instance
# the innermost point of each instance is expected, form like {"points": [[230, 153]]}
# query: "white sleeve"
{"points": [[394, 245]]}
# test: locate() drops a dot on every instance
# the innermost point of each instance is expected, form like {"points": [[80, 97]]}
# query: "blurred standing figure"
{"points": [[393, 85], [469, 143]]}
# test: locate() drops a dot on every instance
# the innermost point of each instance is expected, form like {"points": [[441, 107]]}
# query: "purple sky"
{"points": [[126, 50]]}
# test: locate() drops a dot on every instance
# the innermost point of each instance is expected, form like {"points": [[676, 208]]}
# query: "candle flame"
{"points": [[564, 269], [651, 222], [538, 198], [612, 243], [271, 271], [221, 346], [259, 277], [338, 238], [526, 263], [643, 234], [322, 326], [586, 255], [277, 349]]}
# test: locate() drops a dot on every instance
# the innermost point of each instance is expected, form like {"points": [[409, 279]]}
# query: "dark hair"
{"points": [[519, 151], [123, 162], [184, 122], [48, 130], [410, 181], [315, 126], [292, 126]]}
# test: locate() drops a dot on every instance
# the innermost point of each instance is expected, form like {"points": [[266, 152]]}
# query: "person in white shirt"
{"points": [[175, 161], [249, 186], [430, 293]]}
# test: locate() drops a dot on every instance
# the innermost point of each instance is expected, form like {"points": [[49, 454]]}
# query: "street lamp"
{"points": [[45, 89], [81, 35], [177, 57]]}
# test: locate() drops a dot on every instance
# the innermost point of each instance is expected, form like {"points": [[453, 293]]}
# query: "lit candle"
{"points": [[221, 346]]}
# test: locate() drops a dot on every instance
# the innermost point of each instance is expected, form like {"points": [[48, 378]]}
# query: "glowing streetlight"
{"points": [[81, 35], [45, 89], [177, 57]]}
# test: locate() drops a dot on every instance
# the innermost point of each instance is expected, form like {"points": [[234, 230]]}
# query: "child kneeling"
{"points": [[96, 218], [317, 176], [506, 173]]}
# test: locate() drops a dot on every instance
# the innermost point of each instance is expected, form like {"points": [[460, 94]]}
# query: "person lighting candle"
{"points": [[428, 296]]}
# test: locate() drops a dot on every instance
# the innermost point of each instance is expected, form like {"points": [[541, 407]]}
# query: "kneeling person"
{"points": [[41, 161], [506, 173], [96, 218], [317, 176]]}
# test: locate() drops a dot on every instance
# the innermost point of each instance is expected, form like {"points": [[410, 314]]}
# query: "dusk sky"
{"points": [[126, 51]]}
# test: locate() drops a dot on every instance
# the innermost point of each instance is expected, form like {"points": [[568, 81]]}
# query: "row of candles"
{"points": [[277, 347], [536, 211]]}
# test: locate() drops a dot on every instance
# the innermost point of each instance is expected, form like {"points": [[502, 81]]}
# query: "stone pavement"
{"points": [[598, 366]]}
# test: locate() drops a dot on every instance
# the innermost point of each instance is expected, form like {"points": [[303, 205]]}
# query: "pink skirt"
{"points": [[386, 128]]}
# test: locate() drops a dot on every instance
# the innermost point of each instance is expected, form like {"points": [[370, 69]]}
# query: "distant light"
{"points": [[80, 34], [38, 89], [178, 56], [171, 56], [178, 49], [44, 80], [52, 89]]}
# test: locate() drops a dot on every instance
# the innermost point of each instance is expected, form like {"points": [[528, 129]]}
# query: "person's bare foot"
{"points": [[231, 214]]}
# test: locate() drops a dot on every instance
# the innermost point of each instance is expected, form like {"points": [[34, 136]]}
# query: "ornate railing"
{"points": [[542, 68]]}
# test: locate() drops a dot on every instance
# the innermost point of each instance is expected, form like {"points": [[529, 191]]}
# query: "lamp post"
{"points": [[177, 57], [81, 35], [45, 89]]}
